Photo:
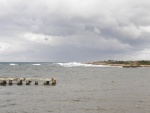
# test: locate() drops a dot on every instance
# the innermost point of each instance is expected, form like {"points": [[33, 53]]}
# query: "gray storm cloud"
{"points": [[74, 30]]}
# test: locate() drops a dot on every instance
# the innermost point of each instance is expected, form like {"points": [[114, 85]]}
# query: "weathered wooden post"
{"points": [[19, 82], [53, 81], [5, 82], [2, 82], [46, 82], [10, 82], [27, 82], [36, 82]]}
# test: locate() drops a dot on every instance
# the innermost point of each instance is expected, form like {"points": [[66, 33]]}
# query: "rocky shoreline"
{"points": [[124, 64]]}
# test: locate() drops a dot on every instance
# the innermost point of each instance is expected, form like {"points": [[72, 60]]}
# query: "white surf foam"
{"points": [[36, 64], [77, 64], [12, 64]]}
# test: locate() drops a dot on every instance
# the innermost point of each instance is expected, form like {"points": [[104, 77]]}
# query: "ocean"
{"points": [[80, 88]]}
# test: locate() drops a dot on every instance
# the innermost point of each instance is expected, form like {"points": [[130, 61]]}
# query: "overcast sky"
{"points": [[74, 30]]}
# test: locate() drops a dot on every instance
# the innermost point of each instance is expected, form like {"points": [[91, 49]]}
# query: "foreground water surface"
{"points": [[79, 89]]}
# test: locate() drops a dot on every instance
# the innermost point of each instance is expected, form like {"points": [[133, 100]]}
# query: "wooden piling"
{"points": [[46, 82], [28, 82], [19, 82], [10, 82], [36, 82], [3, 82], [53, 81]]}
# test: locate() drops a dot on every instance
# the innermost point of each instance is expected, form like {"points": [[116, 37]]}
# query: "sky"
{"points": [[74, 30]]}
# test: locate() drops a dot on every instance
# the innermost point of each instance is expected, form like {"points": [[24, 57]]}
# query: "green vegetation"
{"points": [[144, 62], [141, 62]]}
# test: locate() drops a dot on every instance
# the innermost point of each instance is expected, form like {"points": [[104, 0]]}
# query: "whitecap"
{"points": [[36, 64], [78, 64], [12, 64]]}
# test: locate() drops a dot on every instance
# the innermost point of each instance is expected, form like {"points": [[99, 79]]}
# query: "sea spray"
{"points": [[78, 64]]}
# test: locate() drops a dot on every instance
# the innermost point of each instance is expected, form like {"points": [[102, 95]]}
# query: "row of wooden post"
{"points": [[20, 82]]}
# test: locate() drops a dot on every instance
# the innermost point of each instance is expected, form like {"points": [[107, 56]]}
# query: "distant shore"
{"points": [[125, 64]]}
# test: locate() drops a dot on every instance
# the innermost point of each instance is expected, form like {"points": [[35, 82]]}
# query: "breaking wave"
{"points": [[36, 64], [77, 64], [12, 64]]}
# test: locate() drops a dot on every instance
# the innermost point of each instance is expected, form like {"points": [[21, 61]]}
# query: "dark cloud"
{"points": [[46, 39]]}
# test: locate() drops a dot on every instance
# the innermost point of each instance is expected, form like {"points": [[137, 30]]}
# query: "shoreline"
{"points": [[124, 64]]}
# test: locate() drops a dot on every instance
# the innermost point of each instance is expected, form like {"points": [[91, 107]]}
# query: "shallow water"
{"points": [[78, 89]]}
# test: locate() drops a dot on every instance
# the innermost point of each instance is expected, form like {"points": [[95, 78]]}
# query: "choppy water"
{"points": [[79, 89]]}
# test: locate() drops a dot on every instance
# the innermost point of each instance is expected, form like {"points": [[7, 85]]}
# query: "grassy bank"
{"points": [[140, 63]]}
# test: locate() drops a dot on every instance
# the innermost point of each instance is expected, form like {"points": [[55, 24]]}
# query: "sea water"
{"points": [[80, 88]]}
